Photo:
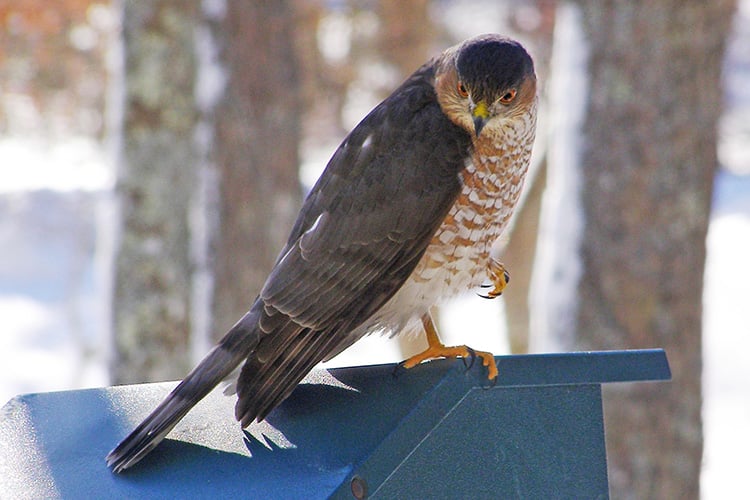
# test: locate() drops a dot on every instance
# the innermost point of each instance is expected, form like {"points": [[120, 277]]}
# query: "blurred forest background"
{"points": [[153, 156]]}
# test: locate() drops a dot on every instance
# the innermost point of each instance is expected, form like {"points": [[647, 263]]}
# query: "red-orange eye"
{"points": [[508, 97], [462, 90]]}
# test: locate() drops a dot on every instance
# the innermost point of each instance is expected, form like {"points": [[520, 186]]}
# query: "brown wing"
{"points": [[359, 235]]}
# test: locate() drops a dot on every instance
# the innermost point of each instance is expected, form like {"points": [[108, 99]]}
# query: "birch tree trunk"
{"points": [[154, 188]]}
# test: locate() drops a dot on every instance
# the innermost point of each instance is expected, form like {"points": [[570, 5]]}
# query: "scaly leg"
{"points": [[436, 349], [499, 278]]}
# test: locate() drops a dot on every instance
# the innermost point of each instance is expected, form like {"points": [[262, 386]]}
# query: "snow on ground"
{"points": [[29, 164], [726, 293], [50, 298], [726, 370], [41, 352]]}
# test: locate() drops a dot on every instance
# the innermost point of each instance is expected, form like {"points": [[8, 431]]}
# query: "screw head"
{"points": [[359, 488]]}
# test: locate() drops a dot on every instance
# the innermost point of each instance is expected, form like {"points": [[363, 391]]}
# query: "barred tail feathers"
{"points": [[232, 350]]}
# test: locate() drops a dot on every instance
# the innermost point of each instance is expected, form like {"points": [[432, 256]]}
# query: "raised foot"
{"points": [[461, 351], [499, 279]]}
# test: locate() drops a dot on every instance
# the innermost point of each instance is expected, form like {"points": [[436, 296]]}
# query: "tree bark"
{"points": [[257, 134], [647, 172], [398, 42], [154, 187]]}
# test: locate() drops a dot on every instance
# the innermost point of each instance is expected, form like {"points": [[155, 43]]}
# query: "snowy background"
{"points": [[55, 227], [726, 294]]}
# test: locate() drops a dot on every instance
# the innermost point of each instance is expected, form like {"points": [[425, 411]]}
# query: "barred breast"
{"points": [[456, 259]]}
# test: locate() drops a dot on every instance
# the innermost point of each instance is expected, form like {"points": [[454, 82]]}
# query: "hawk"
{"points": [[402, 218]]}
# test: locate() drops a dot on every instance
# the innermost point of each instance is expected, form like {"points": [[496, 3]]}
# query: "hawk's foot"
{"points": [[499, 278], [436, 349], [460, 351]]}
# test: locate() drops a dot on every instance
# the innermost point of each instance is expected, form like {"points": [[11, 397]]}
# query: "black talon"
{"points": [[472, 356], [492, 384], [506, 276], [398, 370]]}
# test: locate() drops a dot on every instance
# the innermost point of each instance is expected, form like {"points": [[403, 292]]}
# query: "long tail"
{"points": [[233, 349]]}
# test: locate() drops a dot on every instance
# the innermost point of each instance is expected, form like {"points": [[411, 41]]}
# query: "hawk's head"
{"points": [[485, 78]]}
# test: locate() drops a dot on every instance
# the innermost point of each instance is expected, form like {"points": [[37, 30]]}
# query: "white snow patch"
{"points": [[476, 322], [371, 350], [726, 322], [77, 163], [32, 360]]}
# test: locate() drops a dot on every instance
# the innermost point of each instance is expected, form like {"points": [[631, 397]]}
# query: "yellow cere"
{"points": [[480, 111]]}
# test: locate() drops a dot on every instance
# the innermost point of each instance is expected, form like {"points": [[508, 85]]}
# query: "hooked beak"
{"points": [[480, 114], [479, 124]]}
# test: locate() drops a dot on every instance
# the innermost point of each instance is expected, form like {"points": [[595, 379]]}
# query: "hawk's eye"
{"points": [[462, 90], [508, 97]]}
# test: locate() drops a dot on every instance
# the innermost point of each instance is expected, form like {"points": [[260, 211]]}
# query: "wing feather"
{"points": [[359, 235]]}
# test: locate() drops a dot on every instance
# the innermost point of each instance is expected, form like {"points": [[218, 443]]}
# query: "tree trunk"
{"points": [[256, 149], [648, 163], [154, 188], [398, 42]]}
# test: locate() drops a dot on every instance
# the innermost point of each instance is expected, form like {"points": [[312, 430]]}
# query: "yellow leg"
{"points": [[436, 349], [499, 278]]}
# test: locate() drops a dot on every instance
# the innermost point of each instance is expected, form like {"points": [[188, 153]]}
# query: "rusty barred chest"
{"points": [[456, 259], [491, 186]]}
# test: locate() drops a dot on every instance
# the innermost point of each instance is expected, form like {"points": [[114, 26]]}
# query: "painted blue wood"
{"points": [[436, 431]]}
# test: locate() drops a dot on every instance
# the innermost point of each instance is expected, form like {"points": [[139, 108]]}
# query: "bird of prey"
{"points": [[402, 218]]}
